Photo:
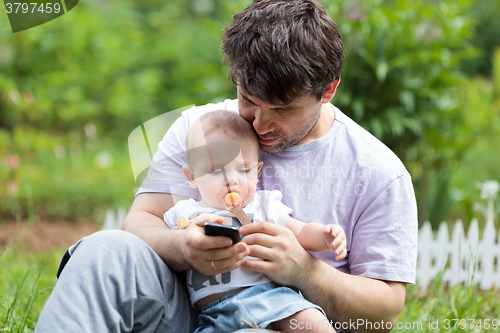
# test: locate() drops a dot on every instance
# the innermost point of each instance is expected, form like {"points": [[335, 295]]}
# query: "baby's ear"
{"points": [[259, 166], [189, 176]]}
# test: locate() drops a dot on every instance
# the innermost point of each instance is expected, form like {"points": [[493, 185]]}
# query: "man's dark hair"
{"points": [[282, 49]]}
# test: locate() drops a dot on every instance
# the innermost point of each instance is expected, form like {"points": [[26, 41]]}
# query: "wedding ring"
{"points": [[213, 266]]}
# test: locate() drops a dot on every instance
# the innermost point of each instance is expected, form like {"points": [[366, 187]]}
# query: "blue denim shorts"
{"points": [[259, 305]]}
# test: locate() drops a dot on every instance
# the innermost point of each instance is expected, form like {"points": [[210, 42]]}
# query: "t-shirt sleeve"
{"points": [[171, 216], [186, 208], [276, 211], [384, 241]]}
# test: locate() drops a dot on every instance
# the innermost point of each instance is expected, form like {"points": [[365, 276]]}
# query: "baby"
{"points": [[223, 157]]}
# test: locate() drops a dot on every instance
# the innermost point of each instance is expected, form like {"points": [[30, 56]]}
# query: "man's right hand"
{"points": [[211, 255], [181, 249]]}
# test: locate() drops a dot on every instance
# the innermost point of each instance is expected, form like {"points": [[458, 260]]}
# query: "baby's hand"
{"points": [[335, 239], [206, 217]]}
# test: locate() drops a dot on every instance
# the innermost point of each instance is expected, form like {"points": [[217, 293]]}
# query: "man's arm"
{"points": [[345, 298], [145, 219], [354, 300], [180, 249]]}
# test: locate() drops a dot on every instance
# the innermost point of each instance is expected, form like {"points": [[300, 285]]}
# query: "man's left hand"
{"points": [[284, 260]]}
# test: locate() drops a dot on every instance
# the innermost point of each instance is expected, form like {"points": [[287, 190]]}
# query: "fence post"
{"points": [[114, 220], [472, 261], [425, 271], [487, 251]]}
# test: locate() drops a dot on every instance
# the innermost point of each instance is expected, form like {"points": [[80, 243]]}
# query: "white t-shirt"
{"points": [[266, 206], [347, 177]]}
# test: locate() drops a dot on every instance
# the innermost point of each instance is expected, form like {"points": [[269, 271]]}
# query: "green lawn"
{"points": [[26, 280], [450, 309]]}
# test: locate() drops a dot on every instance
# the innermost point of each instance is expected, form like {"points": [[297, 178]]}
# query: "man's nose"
{"points": [[262, 122]]}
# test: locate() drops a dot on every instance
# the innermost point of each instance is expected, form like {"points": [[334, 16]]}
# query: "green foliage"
{"points": [[108, 65], [403, 82], [115, 66], [487, 30], [401, 66], [448, 305], [453, 192], [25, 289], [401, 77], [70, 176], [440, 199], [481, 105]]}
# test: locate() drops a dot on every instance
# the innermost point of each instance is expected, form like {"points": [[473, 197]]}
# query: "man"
{"points": [[285, 57]]}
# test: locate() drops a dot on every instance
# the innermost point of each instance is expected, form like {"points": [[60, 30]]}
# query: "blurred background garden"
{"points": [[423, 76]]}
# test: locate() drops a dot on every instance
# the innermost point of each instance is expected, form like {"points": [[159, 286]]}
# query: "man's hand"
{"points": [[284, 259], [335, 239], [211, 255], [181, 249], [287, 263]]}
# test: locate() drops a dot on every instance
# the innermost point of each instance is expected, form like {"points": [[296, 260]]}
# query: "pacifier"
{"points": [[230, 199]]}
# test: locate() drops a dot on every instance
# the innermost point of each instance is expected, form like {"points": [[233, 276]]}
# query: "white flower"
{"points": [[489, 189]]}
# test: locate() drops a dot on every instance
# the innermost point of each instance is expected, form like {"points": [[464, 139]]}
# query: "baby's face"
{"points": [[240, 172]]}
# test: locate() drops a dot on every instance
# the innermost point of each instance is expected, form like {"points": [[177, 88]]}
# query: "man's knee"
{"points": [[110, 250], [112, 244], [110, 239]]}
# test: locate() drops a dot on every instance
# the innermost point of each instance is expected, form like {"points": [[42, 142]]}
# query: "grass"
{"points": [[451, 309], [27, 279]]}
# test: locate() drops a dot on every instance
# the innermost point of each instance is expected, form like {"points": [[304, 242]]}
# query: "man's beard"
{"points": [[285, 142]]}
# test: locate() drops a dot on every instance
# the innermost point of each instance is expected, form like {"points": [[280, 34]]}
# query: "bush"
{"points": [[401, 78], [68, 176], [115, 66], [481, 105]]}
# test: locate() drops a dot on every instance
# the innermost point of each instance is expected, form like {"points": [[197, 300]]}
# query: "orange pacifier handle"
{"points": [[230, 199]]}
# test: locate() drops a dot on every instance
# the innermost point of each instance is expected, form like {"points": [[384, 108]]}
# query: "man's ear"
{"points": [[330, 91], [189, 176]]}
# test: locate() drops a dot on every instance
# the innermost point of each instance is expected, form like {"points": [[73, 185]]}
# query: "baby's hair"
{"points": [[231, 123]]}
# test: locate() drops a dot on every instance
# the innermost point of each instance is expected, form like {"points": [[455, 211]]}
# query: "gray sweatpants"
{"points": [[114, 282]]}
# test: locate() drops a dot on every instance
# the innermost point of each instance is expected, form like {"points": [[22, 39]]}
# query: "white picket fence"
{"points": [[114, 219], [470, 259]]}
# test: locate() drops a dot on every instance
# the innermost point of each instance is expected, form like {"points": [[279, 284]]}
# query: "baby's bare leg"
{"points": [[308, 320]]}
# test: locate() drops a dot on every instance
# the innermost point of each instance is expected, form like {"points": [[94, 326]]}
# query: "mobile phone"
{"points": [[216, 229]]}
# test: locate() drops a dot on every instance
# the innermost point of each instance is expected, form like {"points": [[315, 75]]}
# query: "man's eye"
{"points": [[285, 110], [249, 102]]}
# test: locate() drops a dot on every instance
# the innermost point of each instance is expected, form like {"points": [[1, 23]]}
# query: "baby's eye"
{"points": [[216, 172], [245, 170]]}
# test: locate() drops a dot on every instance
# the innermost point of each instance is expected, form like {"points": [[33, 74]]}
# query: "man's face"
{"points": [[280, 126]]}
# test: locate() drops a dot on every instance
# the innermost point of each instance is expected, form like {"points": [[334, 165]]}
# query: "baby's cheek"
{"points": [[249, 197]]}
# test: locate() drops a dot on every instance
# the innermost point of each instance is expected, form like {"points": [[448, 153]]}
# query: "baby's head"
{"points": [[222, 139]]}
